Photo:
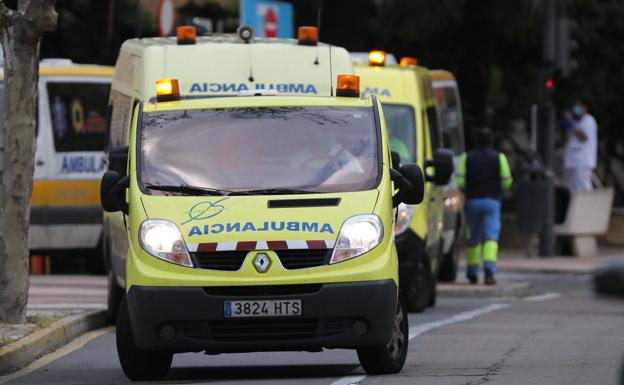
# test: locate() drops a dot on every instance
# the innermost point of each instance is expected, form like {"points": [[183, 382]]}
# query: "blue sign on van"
{"points": [[269, 18]]}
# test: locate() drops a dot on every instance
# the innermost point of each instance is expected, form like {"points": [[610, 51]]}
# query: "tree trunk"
{"points": [[20, 34]]}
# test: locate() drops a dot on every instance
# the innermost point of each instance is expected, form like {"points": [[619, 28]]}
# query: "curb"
{"points": [[40, 342], [465, 290], [545, 270]]}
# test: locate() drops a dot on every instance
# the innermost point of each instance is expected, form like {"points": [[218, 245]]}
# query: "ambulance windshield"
{"points": [[264, 150]]}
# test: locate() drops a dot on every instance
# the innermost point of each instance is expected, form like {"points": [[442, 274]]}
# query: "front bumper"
{"points": [[196, 315]]}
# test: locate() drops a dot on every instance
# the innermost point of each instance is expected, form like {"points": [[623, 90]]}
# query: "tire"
{"points": [[115, 294], [433, 296], [95, 262], [390, 358], [450, 261], [421, 287], [138, 365]]}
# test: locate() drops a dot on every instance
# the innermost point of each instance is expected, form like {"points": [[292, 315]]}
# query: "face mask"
{"points": [[577, 111]]}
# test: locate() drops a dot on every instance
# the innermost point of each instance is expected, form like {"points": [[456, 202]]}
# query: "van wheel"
{"points": [[95, 263], [450, 260], [138, 365], [115, 294], [419, 291], [390, 358]]}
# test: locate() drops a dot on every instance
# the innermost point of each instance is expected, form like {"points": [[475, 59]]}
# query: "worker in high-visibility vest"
{"points": [[483, 174]]}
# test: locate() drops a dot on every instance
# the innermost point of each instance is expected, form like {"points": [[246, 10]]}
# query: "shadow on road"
{"points": [[259, 372]]}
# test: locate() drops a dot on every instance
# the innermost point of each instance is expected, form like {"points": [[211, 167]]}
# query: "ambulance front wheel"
{"points": [[138, 365], [390, 358]]}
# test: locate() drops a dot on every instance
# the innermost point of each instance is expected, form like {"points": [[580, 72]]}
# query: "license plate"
{"points": [[263, 308]]}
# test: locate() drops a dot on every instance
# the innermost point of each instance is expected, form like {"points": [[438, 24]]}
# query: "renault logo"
{"points": [[262, 262]]}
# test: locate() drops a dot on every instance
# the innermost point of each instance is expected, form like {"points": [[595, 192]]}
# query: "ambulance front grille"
{"points": [[303, 258], [220, 260], [291, 259]]}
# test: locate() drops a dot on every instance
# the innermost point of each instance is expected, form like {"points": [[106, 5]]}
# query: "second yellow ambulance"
{"points": [[411, 114]]}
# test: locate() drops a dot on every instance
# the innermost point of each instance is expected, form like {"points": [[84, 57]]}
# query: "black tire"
{"points": [[390, 358], [138, 365], [450, 262], [418, 293], [115, 294], [95, 260], [433, 292]]}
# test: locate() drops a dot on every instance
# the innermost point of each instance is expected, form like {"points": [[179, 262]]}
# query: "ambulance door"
{"points": [[120, 112]]}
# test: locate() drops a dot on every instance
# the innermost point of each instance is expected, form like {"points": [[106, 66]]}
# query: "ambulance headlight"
{"points": [[359, 234], [163, 240], [404, 217]]}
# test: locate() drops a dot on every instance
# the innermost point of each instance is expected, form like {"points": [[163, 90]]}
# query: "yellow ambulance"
{"points": [[65, 211], [449, 102], [411, 114], [253, 218]]}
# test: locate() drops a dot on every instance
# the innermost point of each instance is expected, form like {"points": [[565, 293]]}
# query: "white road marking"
{"points": [[74, 345], [542, 297], [415, 331], [349, 380], [461, 317]]}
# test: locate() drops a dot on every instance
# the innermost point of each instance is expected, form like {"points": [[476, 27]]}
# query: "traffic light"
{"points": [[566, 45]]}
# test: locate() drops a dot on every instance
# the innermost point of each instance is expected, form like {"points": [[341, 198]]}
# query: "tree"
{"points": [[21, 30]]}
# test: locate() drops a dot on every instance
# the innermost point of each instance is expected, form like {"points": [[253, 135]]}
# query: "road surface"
{"points": [[563, 335]]}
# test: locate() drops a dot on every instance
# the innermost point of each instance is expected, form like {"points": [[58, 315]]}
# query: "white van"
{"points": [[72, 135], [449, 103]]}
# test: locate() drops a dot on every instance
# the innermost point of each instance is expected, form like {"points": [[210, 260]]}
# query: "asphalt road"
{"points": [[565, 335]]}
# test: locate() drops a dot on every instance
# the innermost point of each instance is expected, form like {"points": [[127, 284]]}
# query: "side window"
{"points": [[78, 115], [434, 127], [121, 107]]}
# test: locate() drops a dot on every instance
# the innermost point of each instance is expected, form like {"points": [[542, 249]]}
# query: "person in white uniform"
{"points": [[581, 149]]}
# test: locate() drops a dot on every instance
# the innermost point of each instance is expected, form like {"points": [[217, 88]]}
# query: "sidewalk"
{"points": [[60, 308], [514, 260]]}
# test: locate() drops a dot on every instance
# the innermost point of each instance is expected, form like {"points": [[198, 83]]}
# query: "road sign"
{"points": [[166, 17], [270, 22], [269, 18]]}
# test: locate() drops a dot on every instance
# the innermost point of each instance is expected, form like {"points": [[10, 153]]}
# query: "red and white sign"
{"points": [[166, 17], [270, 22]]}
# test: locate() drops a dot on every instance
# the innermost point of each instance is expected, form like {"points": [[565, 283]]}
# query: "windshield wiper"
{"points": [[189, 190], [273, 191]]}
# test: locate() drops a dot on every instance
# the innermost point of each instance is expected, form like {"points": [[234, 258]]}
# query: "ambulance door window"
{"points": [[121, 107], [1, 105], [434, 127], [78, 115], [400, 119]]}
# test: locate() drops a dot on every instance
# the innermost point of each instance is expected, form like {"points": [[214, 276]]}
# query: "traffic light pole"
{"points": [[547, 131]]}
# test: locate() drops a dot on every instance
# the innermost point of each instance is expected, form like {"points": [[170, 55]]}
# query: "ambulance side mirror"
{"points": [[439, 169], [113, 191], [411, 184]]}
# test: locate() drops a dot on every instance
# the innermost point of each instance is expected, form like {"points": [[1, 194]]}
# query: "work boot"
{"points": [[489, 278], [472, 273]]}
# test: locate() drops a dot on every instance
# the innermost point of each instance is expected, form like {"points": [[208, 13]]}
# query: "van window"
{"points": [[317, 149], [401, 123], [451, 115], [121, 107], [78, 115], [1, 104], [434, 127]]}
